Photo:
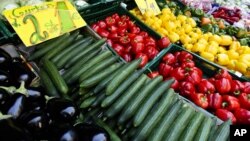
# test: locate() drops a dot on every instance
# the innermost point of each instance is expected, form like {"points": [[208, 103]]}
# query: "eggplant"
{"points": [[4, 97], [5, 78], [11, 131], [35, 98], [16, 104], [62, 132], [37, 122], [5, 60], [62, 110], [91, 132]]}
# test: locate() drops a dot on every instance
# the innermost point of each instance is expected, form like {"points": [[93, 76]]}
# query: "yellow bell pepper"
{"points": [[241, 67], [222, 50], [231, 65], [245, 58], [222, 59], [208, 56], [182, 18], [234, 45], [174, 37], [226, 40], [198, 47], [211, 49], [162, 31], [194, 37], [191, 22], [188, 46], [246, 49], [169, 26], [215, 38], [197, 30], [233, 54], [203, 41], [185, 39], [165, 11], [187, 28]]}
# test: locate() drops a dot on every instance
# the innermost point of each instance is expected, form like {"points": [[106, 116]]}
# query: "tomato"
{"points": [[110, 21], [116, 17], [149, 41], [112, 28], [163, 42], [144, 58], [128, 49], [114, 36], [119, 49], [137, 48], [124, 40], [125, 18], [102, 24], [135, 30], [143, 34], [122, 24], [127, 57], [103, 33], [151, 52], [153, 74], [95, 27]]}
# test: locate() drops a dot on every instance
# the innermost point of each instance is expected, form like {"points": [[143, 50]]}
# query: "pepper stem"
{"points": [[224, 104], [22, 89], [10, 89], [237, 92]]}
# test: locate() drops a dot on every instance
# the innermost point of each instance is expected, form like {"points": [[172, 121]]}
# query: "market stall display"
{"points": [[120, 78]]}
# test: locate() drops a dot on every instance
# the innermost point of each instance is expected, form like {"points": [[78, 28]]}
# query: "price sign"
{"points": [[148, 5], [36, 24]]}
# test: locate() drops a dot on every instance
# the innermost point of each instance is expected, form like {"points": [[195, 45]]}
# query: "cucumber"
{"points": [[99, 67], [222, 132], [111, 98], [192, 128], [48, 85], [125, 97], [88, 102], [149, 103], [105, 81], [98, 100], [204, 130], [69, 72], [91, 81], [164, 124], [88, 65], [41, 52], [56, 78], [81, 53], [78, 42], [180, 123], [112, 86], [135, 103], [153, 119], [61, 47]]}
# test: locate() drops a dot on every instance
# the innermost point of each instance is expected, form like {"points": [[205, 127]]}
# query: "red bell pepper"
{"points": [[200, 99], [223, 85], [144, 58], [175, 85], [193, 75], [153, 74], [169, 58], [124, 40], [188, 64], [165, 69], [163, 42], [187, 89], [222, 73], [244, 99], [184, 56], [151, 52], [178, 73], [127, 57], [242, 116], [206, 87], [214, 101], [224, 115], [237, 87], [110, 20], [119, 49], [246, 87], [103, 33], [230, 103]]}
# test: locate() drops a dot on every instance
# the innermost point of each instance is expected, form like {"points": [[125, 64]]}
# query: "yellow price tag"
{"points": [[148, 5], [36, 24]]}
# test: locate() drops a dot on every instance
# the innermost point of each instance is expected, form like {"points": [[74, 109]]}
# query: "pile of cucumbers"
{"points": [[137, 107]]}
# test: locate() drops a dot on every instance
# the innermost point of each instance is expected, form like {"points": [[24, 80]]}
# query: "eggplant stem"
{"points": [[10, 89], [22, 89]]}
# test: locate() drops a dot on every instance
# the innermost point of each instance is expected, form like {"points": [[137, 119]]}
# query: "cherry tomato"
{"points": [[144, 58], [102, 24], [163, 42], [124, 40], [127, 57], [119, 49], [103, 33], [110, 21], [95, 27], [151, 52], [137, 48]]}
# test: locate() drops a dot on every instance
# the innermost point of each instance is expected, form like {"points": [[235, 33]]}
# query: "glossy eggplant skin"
{"points": [[62, 132], [35, 99], [11, 131], [62, 110], [4, 97], [15, 106], [5, 60], [91, 132], [5, 78]]}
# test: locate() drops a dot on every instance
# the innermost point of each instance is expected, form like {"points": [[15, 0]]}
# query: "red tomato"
{"points": [[119, 49], [144, 58], [137, 48], [95, 27], [163, 42], [110, 21], [127, 57], [153, 74], [102, 24], [103, 33], [151, 52]]}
